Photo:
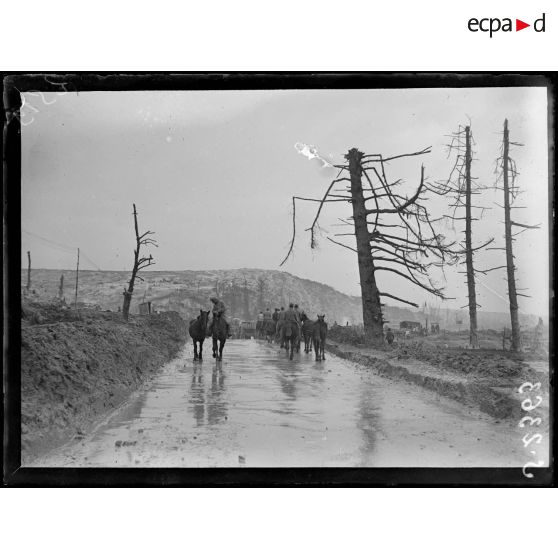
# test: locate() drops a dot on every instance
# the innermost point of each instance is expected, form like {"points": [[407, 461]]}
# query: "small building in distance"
{"points": [[410, 326]]}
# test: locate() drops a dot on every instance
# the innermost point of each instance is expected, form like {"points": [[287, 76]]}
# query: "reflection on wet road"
{"points": [[257, 408]]}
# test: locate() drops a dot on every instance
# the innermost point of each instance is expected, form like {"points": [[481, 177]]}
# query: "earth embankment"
{"points": [[486, 379], [75, 368]]}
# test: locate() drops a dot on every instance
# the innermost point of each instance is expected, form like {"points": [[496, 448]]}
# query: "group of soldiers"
{"points": [[280, 317], [293, 315]]}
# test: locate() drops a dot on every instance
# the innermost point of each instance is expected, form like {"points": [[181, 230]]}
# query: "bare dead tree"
{"points": [[140, 262], [508, 175], [461, 186], [394, 235]]}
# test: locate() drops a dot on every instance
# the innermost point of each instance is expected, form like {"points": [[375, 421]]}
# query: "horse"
{"points": [[198, 331], [319, 335], [279, 332], [219, 333], [269, 330], [290, 338], [307, 334]]}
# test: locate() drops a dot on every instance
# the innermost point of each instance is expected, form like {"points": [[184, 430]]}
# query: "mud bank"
{"points": [[75, 371], [495, 395]]}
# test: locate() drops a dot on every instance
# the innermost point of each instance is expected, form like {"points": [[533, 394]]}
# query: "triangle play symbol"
{"points": [[519, 25]]}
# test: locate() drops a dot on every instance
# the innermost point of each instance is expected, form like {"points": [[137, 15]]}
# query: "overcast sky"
{"points": [[212, 173]]}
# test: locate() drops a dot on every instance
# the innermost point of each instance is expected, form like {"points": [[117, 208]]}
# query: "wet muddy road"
{"points": [[257, 408]]}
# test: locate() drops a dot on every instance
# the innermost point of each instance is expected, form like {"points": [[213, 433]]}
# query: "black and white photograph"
{"points": [[283, 276]]}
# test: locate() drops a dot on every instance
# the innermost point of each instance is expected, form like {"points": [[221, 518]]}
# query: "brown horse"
{"points": [[219, 333], [319, 336], [197, 331], [268, 330], [307, 333], [290, 338]]}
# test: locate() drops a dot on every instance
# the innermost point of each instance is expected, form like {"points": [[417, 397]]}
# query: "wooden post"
{"points": [[61, 288], [512, 291], [473, 337], [77, 278], [28, 270], [371, 307]]}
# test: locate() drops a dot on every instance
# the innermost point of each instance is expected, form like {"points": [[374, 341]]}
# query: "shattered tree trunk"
{"points": [[129, 292], [473, 338], [126, 305], [139, 263], [371, 306], [512, 291]]}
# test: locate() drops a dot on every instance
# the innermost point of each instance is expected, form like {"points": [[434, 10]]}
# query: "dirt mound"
{"points": [[350, 335], [446, 352], [75, 368], [475, 364]]}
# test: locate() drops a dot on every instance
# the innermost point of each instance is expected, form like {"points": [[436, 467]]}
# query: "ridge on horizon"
{"points": [[353, 298]]}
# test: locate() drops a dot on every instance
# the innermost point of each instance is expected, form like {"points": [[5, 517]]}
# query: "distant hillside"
{"points": [[244, 291]]}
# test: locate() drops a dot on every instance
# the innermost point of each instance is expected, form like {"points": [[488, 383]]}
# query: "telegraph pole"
{"points": [[28, 270], [77, 277], [61, 288]]}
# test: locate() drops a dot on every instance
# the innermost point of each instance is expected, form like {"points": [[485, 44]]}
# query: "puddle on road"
{"points": [[257, 408]]}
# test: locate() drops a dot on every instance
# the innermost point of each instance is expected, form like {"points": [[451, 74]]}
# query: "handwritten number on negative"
{"points": [[537, 437], [539, 463], [532, 421], [531, 386], [527, 404]]}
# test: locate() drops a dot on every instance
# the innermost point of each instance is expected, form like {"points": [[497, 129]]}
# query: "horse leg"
{"points": [[195, 350], [317, 349], [214, 347], [221, 345], [201, 348]]}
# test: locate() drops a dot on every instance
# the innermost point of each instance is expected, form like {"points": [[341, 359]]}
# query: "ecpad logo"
{"points": [[492, 25]]}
